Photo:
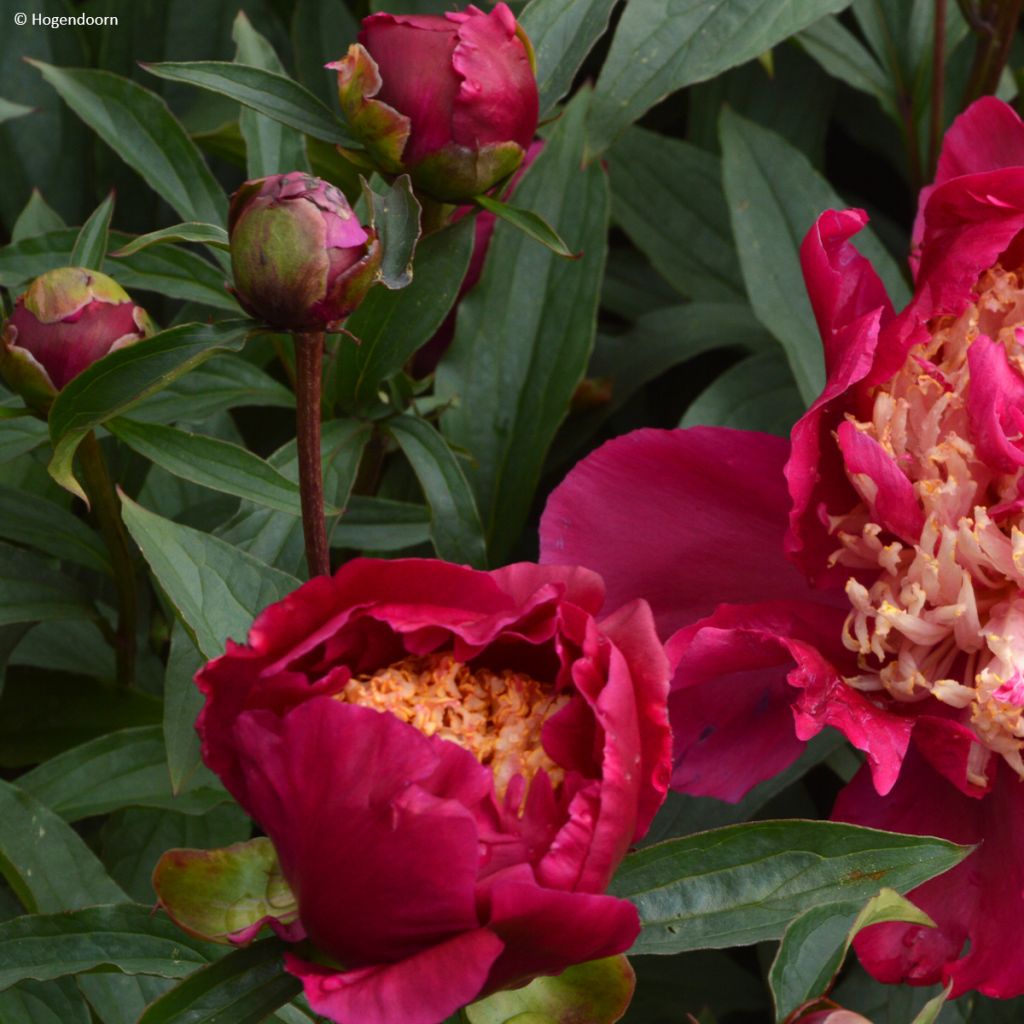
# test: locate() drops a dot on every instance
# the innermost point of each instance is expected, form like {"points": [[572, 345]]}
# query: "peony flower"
{"points": [[66, 320], [900, 499], [451, 100], [450, 764], [301, 260]]}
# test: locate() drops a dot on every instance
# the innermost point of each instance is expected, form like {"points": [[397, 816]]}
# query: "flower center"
{"points": [[945, 617], [496, 716]]}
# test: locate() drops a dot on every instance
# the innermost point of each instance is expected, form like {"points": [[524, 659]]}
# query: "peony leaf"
{"points": [[929, 1013], [37, 218], [210, 462], [182, 703], [124, 768], [225, 895], [664, 190], [745, 883], [50, 1002], [267, 92], [562, 35], [757, 393], [245, 987], [91, 243], [216, 588], [661, 46], [531, 224], [270, 147], [321, 33], [139, 127], [525, 333], [396, 216], [774, 197], [126, 937], [9, 110], [115, 383], [392, 325], [454, 520], [598, 992], [380, 524], [31, 590], [816, 943], [206, 234], [165, 269]]}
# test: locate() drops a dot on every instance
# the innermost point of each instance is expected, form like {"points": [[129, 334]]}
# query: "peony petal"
{"points": [[545, 930], [421, 989], [686, 519], [372, 824], [981, 900], [994, 404], [731, 702]]}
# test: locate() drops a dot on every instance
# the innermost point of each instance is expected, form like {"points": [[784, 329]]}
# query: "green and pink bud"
{"points": [[300, 258], [452, 100], [66, 320]]}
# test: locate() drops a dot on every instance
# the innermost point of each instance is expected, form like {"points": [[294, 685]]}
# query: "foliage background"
{"points": [[689, 147]]}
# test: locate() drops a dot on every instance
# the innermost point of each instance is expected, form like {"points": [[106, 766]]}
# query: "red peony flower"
{"points": [[450, 765], [451, 100], [65, 321], [905, 508]]}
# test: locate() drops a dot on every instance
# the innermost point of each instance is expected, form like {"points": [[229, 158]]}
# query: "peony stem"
{"points": [[106, 508], [995, 25], [309, 352]]}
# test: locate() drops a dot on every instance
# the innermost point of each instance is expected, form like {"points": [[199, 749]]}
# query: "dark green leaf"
{"points": [[206, 234], [46, 526], [667, 196], [562, 35], [321, 33], [758, 393], [9, 110], [137, 125], [531, 224], [31, 591], [212, 463], [43, 713], [377, 524], [396, 216], [37, 218], [245, 987], [642, 67], [271, 148], [845, 57], [127, 937], [91, 244], [392, 325], [224, 382], [774, 197], [48, 866], [53, 1002], [274, 95], [524, 334], [124, 768], [182, 703], [115, 383], [454, 520], [215, 588], [816, 943], [19, 436], [745, 883]]}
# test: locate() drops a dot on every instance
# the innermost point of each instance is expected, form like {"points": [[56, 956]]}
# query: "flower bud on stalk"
{"points": [[300, 258], [451, 101], [302, 262], [66, 320]]}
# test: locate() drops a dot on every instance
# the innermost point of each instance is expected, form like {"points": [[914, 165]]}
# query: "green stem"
{"points": [[107, 510], [996, 25], [309, 353]]}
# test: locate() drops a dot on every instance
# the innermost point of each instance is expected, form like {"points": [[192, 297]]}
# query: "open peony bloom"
{"points": [[450, 765], [901, 500], [65, 321], [301, 260], [451, 100]]}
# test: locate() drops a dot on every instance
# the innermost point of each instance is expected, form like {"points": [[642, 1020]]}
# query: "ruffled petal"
{"points": [[686, 519], [995, 405], [981, 900], [422, 989]]}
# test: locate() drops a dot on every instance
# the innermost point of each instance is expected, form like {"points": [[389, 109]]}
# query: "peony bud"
{"points": [[452, 101], [300, 258], [66, 320]]}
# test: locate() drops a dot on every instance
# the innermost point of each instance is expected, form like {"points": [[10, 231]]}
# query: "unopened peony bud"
{"points": [[66, 320], [452, 101], [300, 258]]}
